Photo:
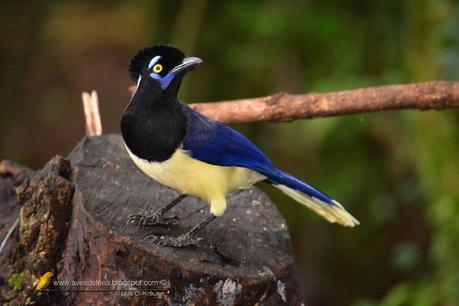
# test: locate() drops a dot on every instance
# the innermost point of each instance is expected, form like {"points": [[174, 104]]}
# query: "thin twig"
{"points": [[435, 95], [91, 113]]}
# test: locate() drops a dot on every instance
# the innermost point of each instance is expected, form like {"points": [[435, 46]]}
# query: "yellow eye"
{"points": [[157, 68]]}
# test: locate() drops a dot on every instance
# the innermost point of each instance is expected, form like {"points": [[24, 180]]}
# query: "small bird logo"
{"points": [[44, 281]]}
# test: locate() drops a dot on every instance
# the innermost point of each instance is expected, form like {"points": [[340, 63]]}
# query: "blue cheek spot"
{"points": [[163, 81]]}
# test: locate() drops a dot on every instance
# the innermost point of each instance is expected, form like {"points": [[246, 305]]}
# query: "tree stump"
{"points": [[245, 259]]}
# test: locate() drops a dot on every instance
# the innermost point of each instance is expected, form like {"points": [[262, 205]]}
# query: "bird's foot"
{"points": [[153, 219], [176, 242]]}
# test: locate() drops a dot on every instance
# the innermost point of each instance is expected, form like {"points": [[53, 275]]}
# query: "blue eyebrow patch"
{"points": [[153, 61]]}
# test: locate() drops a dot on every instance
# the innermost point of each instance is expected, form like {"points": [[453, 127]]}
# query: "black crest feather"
{"points": [[144, 56]]}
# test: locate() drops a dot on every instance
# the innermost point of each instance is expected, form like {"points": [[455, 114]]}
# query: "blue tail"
{"points": [[311, 198]]}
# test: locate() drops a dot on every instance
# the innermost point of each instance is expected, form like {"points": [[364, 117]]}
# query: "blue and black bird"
{"points": [[181, 148]]}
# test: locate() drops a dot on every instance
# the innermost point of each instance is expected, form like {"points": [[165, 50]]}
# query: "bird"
{"points": [[44, 281], [181, 148]]}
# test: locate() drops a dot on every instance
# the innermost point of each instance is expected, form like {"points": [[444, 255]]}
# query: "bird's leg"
{"points": [[183, 240], [150, 219]]}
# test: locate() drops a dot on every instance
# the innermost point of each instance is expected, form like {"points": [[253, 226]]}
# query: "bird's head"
{"points": [[160, 68]]}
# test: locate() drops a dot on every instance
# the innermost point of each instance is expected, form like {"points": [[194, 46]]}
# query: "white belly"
{"points": [[193, 177]]}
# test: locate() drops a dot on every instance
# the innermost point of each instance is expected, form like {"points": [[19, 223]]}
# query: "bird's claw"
{"points": [[177, 242], [151, 220]]}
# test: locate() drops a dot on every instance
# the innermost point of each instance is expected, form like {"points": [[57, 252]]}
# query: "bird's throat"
{"points": [[153, 126]]}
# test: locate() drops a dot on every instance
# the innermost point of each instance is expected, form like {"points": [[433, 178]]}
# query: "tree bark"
{"points": [[41, 202]]}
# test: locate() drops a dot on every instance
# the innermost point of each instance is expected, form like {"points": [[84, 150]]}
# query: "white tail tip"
{"points": [[334, 213]]}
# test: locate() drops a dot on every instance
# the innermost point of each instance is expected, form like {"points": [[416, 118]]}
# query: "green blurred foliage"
{"points": [[397, 172], [16, 281]]}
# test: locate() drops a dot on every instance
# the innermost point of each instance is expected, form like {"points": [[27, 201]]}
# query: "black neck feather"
{"points": [[153, 125]]}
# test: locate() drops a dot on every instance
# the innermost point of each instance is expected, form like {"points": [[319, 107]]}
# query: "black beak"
{"points": [[188, 64]]}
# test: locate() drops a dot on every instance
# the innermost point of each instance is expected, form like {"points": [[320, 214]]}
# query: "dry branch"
{"points": [[287, 107]]}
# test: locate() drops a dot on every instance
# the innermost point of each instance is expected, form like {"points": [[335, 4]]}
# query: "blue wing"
{"points": [[218, 144]]}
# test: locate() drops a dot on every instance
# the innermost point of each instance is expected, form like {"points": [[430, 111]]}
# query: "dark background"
{"points": [[397, 172]]}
